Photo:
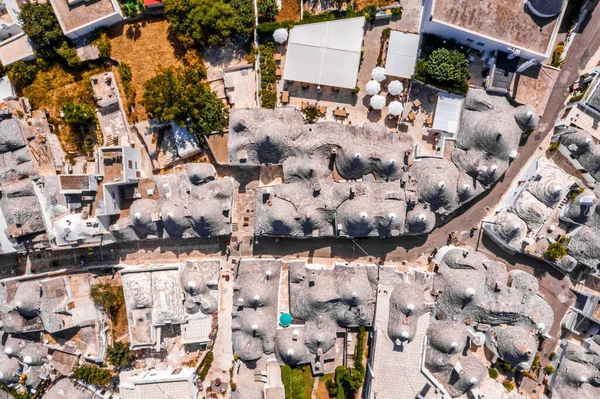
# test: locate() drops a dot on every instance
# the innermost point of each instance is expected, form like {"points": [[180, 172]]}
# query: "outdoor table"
{"points": [[340, 112], [278, 71], [323, 110], [285, 97], [278, 57], [417, 103], [429, 120], [411, 116]]}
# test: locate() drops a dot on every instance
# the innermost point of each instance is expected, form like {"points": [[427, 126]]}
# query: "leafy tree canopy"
{"points": [[555, 251], [448, 66], [78, 113], [22, 73], [92, 375], [41, 25], [69, 54], [267, 9], [107, 297], [119, 354], [208, 22], [179, 94]]}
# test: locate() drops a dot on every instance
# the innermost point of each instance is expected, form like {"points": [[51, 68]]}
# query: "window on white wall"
{"points": [[470, 40], [480, 44]]}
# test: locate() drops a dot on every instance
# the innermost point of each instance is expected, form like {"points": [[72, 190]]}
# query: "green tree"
{"points": [[92, 375], [119, 354], [69, 54], [179, 94], [312, 113], [75, 113], [125, 71], [448, 66], [22, 73], [549, 369], [555, 251], [207, 22], [493, 373], [509, 385], [267, 9], [244, 16], [103, 45], [41, 26], [108, 298]]}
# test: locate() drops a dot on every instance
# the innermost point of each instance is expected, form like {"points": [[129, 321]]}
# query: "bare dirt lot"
{"points": [[145, 46], [290, 11]]}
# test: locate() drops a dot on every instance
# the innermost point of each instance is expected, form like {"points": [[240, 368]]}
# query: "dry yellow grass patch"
{"points": [[145, 46], [51, 89]]}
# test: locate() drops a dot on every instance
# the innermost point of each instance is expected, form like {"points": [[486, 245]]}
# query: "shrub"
{"points": [[356, 90], [386, 32], [397, 11], [69, 54], [233, 386], [555, 251], [509, 385], [549, 369], [125, 71], [119, 354], [206, 363], [554, 146], [103, 45], [268, 98], [572, 195], [75, 113], [92, 375], [557, 55], [332, 388], [552, 356], [493, 373], [41, 26], [22, 73]]}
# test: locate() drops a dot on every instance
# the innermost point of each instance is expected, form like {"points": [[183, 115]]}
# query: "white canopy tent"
{"points": [[395, 108], [378, 74], [395, 88], [377, 101], [280, 35], [402, 54], [373, 87], [325, 53], [448, 111]]}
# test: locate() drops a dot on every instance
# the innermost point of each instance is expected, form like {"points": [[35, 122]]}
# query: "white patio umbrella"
{"points": [[377, 101], [395, 108], [373, 87], [280, 35], [378, 74], [395, 88]]}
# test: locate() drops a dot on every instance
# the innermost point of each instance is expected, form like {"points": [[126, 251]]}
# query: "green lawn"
{"points": [[300, 382]]}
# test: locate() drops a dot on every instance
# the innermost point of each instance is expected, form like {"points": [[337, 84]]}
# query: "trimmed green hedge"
{"points": [[206, 363], [286, 378]]}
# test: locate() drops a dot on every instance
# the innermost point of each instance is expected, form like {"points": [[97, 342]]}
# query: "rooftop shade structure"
{"points": [[325, 53], [447, 112], [402, 54]]}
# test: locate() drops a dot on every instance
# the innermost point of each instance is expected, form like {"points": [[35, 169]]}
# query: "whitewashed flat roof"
{"points": [[325, 53], [447, 112], [402, 54]]}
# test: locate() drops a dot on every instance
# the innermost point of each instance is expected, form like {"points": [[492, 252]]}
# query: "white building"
{"points": [[121, 170], [177, 383], [14, 43], [80, 17], [325, 53], [501, 25]]}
